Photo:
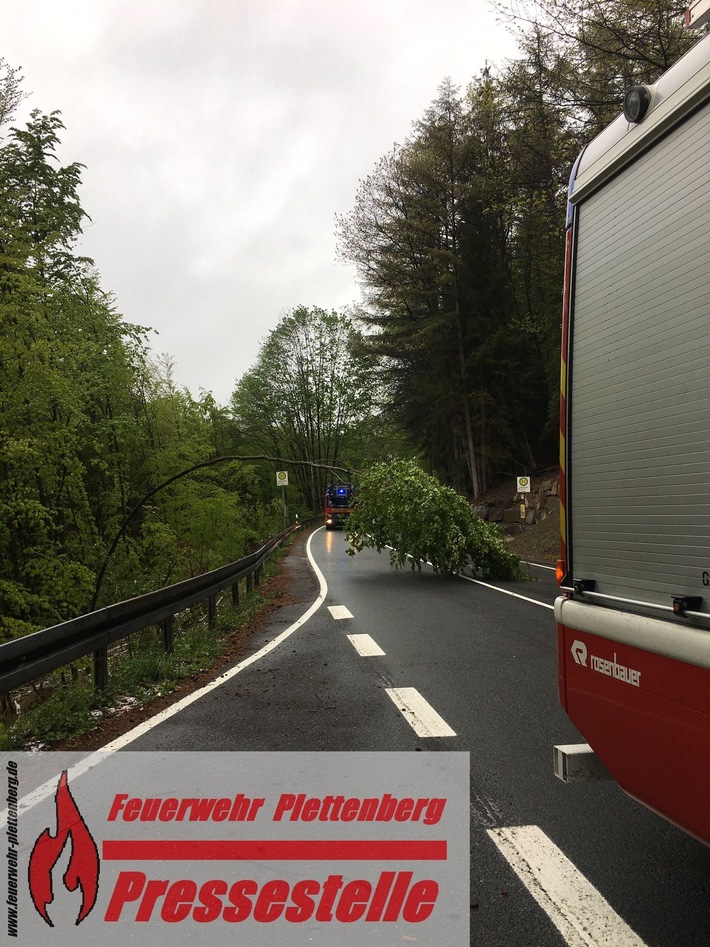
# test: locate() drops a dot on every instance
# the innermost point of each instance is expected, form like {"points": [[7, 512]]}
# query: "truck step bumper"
{"points": [[577, 763]]}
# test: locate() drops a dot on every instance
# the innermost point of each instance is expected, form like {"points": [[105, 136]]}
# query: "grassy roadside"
{"points": [[68, 707]]}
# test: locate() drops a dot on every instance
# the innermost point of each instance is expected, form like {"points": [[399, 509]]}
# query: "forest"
{"points": [[452, 361]]}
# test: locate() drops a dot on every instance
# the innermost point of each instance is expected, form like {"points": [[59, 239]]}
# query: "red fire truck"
{"points": [[338, 503], [633, 616]]}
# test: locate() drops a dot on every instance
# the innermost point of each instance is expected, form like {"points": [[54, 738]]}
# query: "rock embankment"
{"points": [[503, 505]]}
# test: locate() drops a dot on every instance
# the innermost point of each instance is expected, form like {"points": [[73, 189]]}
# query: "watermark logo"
{"points": [[83, 869], [167, 849]]}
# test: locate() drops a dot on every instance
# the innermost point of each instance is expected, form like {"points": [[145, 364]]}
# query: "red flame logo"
{"points": [[83, 869]]}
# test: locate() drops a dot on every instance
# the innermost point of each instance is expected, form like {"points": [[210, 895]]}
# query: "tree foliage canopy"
{"points": [[88, 424], [457, 234], [402, 508], [310, 389], [457, 237], [438, 236], [601, 48]]}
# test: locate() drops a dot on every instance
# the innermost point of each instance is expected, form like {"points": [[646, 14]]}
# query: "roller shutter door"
{"points": [[639, 463]]}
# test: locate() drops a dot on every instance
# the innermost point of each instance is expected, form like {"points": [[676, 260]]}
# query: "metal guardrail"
{"points": [[41, 652]]}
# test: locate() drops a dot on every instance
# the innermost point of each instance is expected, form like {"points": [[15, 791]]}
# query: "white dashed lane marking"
{"points": [[339, 611], [579, 912], [573, 904], [419, 714], [365, 646]]}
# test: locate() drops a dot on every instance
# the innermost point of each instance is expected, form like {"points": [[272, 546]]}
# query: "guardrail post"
{"points": [[7, 705], [257, 576], [249, 583], [212, 611], [101, 669], [167, 626], [235, 594]]}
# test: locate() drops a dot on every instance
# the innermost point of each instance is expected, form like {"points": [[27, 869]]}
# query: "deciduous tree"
{"points": [[310, 387]]}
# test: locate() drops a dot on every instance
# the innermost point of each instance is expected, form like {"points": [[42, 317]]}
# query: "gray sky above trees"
{"points": [[221, 137]]}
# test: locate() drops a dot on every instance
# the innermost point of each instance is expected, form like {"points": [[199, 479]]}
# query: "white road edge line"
{"points": [[339, 612], [365, 645], [497, 588], [419, 714], [48, 788], [575, 907]]}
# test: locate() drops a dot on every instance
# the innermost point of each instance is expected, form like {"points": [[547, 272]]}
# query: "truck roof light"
{"points": [[636, 103]]}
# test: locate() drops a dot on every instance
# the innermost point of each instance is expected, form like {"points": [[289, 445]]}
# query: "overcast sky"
{"points": [[221, 138]]}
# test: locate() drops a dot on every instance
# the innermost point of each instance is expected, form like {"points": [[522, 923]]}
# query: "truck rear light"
{"points": [[560, 571]]}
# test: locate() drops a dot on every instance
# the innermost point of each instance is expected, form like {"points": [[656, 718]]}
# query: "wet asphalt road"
{"points": [[551, 864], [484, 661]]}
